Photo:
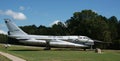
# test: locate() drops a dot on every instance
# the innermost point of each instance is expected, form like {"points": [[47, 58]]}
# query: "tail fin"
{"points": [[13, 29]]}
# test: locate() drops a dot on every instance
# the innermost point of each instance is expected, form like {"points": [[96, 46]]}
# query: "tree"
{"points": [[31, 29], [113, 24], [118, 29], [89, 23], [59, 29], [42, 30], [3, 38]]}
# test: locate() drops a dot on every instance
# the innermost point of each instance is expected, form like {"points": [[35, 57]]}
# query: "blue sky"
{"points": [[45, 12]]}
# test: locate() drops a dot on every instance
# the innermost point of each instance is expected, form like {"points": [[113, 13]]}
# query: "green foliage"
{"points": [[59, 29], [3, 38], [89, 23], [42, 30], [113, 23], [115, 44], [31, 29], [118, 29]]}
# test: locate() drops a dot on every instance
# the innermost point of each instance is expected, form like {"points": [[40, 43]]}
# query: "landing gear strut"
{"points": [[84, 49], [47, 46], [91, 47]]}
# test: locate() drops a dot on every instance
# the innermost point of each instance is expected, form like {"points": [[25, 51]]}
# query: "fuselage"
{"points": [[38, 40], [58, 41]]}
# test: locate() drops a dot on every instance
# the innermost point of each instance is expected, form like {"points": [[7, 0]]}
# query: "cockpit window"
{"points": [[80, 37], [86, 37]]}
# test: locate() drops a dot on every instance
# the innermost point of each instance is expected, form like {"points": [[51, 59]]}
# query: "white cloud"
{"points": [[3, 32], [22, 8], [13, 14], [55, 22]]}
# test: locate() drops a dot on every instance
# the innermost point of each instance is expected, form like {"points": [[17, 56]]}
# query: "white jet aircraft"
{"points": [[46, 41]]}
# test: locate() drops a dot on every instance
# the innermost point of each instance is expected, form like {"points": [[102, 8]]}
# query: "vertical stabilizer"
{"points": [[13, 29]]}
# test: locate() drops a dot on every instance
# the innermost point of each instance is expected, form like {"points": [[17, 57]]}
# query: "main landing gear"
{"points": [[47, 46]]}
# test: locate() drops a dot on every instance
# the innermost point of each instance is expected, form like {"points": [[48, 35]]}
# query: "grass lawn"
{"points": [[2, 58], [38, 54]]}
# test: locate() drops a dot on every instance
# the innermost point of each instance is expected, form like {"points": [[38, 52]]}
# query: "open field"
{"points": [[2, 58], [38, 54]]}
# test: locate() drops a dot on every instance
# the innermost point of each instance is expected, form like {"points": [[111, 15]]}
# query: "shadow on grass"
{"points": [[66, 49], [54, 49], [25, 50]]}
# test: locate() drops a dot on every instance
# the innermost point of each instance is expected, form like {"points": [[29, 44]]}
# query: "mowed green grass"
{"points": [[38, 54], [2, 58]]}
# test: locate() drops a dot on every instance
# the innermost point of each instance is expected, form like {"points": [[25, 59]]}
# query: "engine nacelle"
{"points": [[33, 41]]}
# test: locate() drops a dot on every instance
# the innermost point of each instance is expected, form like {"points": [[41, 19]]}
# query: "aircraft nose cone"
{"points": [[91, 40]]}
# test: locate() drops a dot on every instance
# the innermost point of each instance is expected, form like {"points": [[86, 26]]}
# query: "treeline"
{"points": [[3, 38], [87, 23]]}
